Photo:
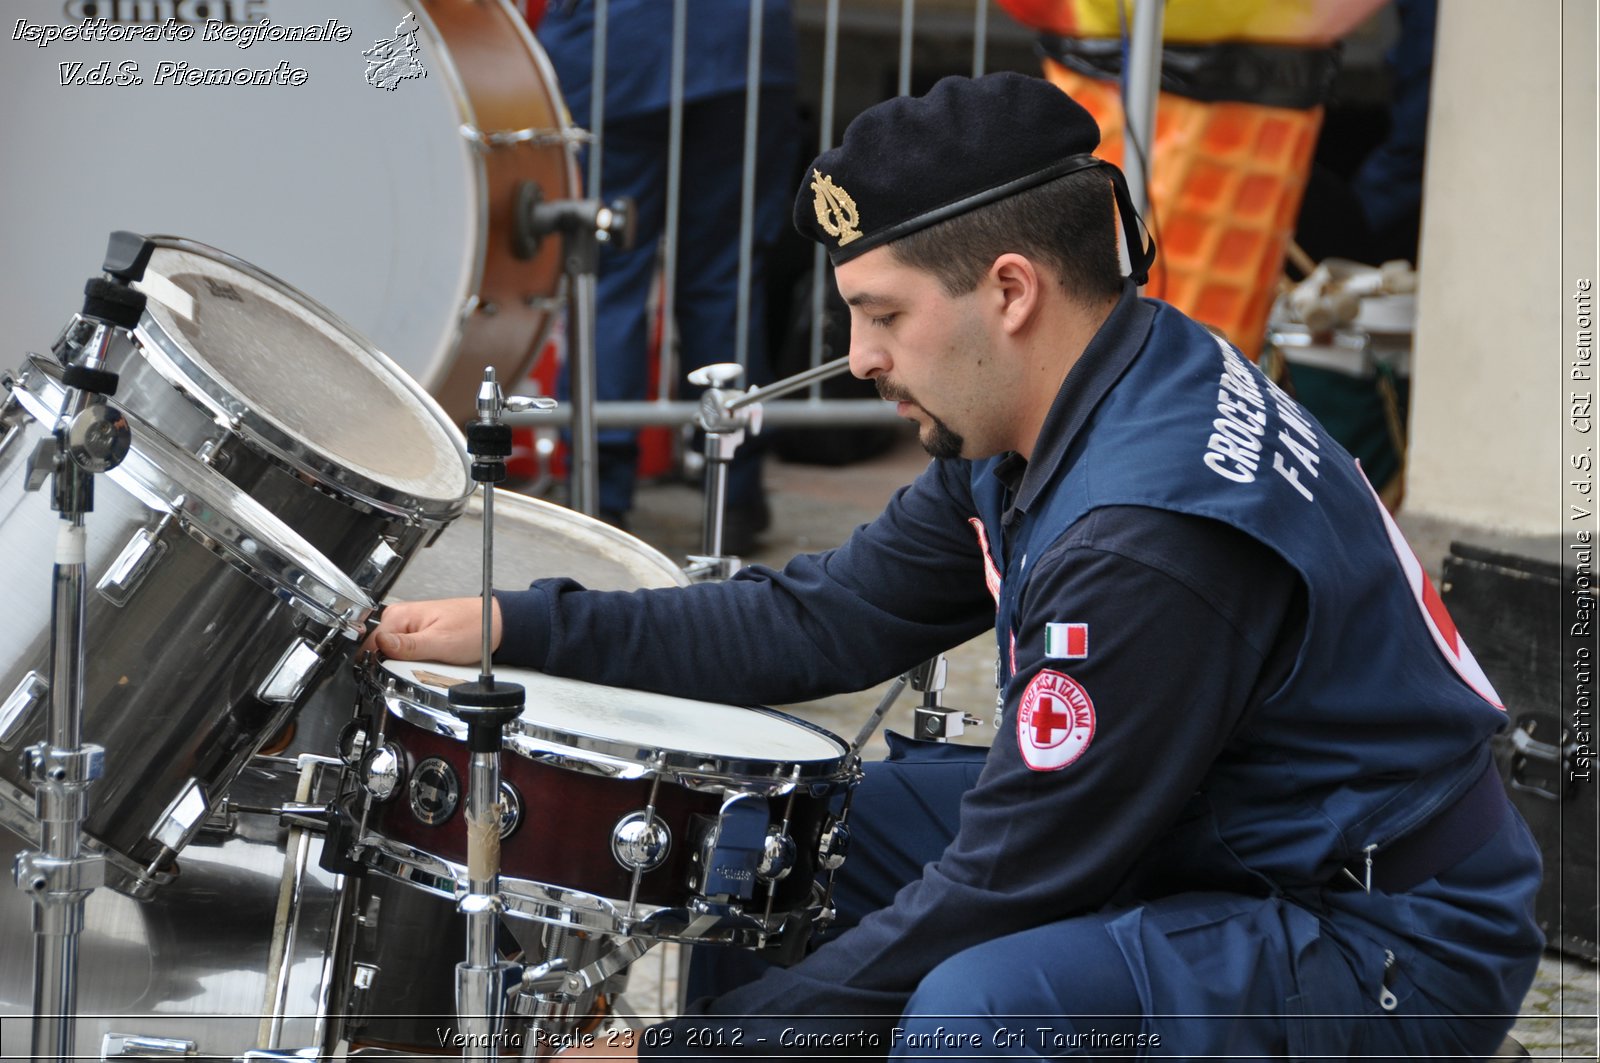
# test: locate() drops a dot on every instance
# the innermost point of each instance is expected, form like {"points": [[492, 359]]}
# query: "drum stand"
{"points": [[558, 995], [486, 706], [724, 415], [584, 224], [90, 437]]}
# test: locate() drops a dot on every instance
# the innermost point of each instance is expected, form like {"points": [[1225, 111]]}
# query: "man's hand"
{"points": [[448, 630]]}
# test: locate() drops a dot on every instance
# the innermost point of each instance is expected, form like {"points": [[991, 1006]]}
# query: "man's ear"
{"points": [[1018, 290]]}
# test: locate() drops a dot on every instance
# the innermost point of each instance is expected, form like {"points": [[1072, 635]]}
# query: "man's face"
{"points": [[926, 350]]}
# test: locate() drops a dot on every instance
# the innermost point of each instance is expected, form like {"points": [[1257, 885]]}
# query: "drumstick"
{"points": [[884, 705]]}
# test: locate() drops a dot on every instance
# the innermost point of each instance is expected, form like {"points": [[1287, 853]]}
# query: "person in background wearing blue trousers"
{"points": [[634, 165]]}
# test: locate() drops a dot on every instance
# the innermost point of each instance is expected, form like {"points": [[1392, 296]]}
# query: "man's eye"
{"points": [[884, 321]]}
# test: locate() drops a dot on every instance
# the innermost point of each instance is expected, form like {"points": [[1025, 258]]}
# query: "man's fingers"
{"points": [[399, 646], [447, 630]]}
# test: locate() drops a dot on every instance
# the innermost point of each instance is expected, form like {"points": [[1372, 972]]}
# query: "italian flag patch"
{"points": [[1066, 642]]}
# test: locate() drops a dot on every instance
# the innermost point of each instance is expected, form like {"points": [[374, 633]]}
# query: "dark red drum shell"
{"points": [[568, 817]]}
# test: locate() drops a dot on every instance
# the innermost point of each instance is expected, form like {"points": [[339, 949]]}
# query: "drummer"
{"points": [[1241, 799]]}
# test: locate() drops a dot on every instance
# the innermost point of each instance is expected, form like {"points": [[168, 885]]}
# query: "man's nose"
{"points": [[867, 359]]}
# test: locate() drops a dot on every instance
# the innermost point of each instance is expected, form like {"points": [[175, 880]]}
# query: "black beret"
{"points": [[913, 161]]}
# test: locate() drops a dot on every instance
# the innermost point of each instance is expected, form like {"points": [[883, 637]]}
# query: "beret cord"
{"points": [[1141, 248], [1133, 231]]}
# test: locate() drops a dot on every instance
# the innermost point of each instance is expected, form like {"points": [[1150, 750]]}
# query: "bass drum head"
{"points": [[370, 199], [533, 539]]}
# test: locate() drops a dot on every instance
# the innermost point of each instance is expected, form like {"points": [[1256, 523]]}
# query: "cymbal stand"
{"points": [[486, 706], [89, 437], [724, 415]]}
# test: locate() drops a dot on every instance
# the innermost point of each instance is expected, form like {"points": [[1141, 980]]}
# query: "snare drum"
{"points": [[295, 407], [208, 623], [628, 813]]}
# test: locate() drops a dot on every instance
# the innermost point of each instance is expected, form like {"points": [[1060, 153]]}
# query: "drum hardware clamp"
{"points": [[587, 223], [584, 225], [934, 722], [549, 992], [724, 414], [89, 437]]}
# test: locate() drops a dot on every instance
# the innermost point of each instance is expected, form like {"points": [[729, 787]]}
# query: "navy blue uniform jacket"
{"points": [[1222, 668]]}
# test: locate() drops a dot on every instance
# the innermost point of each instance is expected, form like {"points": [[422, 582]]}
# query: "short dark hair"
{"points": [[1068, 223]]}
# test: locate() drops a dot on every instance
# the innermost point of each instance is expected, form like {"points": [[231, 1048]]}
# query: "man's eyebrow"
{"points": [[868, 299]]}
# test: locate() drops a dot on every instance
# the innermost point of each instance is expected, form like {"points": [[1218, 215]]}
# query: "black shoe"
{"points": [[743, 525], [614, 517]]}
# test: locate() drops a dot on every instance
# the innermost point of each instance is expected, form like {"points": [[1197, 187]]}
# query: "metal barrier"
{"points": [[586, 415]]}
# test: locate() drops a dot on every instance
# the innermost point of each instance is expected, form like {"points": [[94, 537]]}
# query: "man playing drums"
{"points": [[1241, 799]]}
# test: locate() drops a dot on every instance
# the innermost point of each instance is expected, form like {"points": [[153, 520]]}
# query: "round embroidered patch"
{"points": [[1055, 721]]}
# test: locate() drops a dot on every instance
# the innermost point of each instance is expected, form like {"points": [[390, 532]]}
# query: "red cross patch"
{"points": [[1055, 721]]}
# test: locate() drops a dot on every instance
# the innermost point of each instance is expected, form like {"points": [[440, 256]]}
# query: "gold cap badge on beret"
{"points": [[836, 210]]}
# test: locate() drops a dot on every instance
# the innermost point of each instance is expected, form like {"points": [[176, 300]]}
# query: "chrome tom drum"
{"points": [[208, 623], [295, 407]]}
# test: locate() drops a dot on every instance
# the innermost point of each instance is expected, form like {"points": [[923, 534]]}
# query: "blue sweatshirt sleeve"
{"points": [[901, 589]]}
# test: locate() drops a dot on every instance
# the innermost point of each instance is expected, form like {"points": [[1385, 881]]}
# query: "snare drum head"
{"points": [[298, 380], [631, 723]]}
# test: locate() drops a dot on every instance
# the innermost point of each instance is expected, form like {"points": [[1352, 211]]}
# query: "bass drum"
{"points": [[228, 958], [388, 200]]}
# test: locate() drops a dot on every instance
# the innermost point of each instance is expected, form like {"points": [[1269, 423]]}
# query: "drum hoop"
{"points": [[457, 90], [222, 518], [444, 374], [277, 442], [547, 75], [472, 132], [546, 902], [426, 708], [512, 503]]}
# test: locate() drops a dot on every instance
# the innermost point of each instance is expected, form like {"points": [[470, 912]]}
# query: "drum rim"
{"points": [[520, 503], [280, 443], [426, 708], [219, 516], [473, 133], [548, 902]]}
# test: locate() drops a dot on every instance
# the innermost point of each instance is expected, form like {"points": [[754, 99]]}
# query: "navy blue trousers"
{"points": [[1192, 975], [706, 303]]}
